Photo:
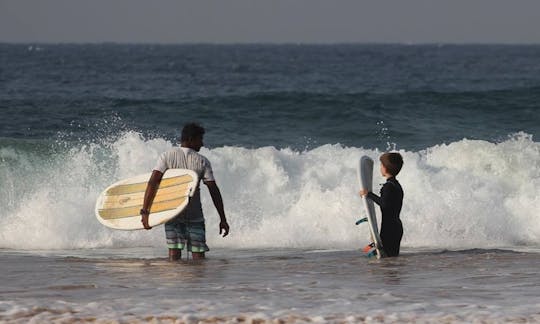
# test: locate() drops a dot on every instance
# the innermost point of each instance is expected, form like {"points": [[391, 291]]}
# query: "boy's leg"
{"points": [[391, 250], [391, 239]]}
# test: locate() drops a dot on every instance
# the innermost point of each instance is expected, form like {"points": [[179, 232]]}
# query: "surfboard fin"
{"points": [[372, 253], [368, 247], [360, 221]]}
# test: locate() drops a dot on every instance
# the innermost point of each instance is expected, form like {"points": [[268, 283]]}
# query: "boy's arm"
{"points": [[368, 194], [376, 199], [385, 198]]}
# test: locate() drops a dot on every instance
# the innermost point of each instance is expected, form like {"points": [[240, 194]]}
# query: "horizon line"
{"points": [[269, 43]]}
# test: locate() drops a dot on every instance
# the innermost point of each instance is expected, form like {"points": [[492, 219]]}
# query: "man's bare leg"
{"points": [[197, 255], [175, 254]]}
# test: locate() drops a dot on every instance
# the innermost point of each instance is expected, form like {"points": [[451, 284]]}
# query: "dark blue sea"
{"points": [[285, 127], [294, 96]]}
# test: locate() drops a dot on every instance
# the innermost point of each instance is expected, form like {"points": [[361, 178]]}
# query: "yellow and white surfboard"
{"points": [[119, 205]]}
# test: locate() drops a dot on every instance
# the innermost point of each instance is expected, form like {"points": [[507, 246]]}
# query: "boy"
{"points": [[390, 201]]}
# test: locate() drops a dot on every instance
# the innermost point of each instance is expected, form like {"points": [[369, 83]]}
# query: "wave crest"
{"points": [[466, 194]]}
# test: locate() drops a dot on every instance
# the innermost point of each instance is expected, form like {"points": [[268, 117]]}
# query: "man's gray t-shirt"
{"points": [[186, 158]]}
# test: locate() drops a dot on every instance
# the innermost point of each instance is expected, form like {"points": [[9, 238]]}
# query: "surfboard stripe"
{"points": [[157, 207], [133, 199], [141, 186]]}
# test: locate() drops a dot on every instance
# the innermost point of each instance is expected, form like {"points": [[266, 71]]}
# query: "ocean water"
{"points": [[286, 125]]}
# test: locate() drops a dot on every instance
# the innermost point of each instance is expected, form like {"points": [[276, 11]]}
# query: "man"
{"points": [[188, 228]]}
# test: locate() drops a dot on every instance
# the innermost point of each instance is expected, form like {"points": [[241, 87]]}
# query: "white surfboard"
{"points": [[365, 177], [119, 205]]}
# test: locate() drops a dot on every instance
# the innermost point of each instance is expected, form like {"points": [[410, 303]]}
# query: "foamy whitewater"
{"points": [[467, 194]]}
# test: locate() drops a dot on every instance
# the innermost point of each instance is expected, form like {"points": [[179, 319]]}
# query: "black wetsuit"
{"points": [[391, 200]]}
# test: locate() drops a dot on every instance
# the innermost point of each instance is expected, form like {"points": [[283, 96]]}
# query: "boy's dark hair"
{"points": [[392, 162], [191, 131]]}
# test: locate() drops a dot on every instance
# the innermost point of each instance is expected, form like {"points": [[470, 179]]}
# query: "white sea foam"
{"points": [[466, 194]]}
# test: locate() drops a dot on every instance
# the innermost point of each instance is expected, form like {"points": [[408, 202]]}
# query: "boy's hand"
{"points": [[363, 192]]}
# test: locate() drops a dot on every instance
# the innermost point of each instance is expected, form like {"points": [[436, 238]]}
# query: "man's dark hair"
{"points": [[392, 162], [191, 131]]}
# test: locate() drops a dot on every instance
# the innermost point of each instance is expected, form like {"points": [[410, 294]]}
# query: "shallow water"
{"points": [[291, 285]]}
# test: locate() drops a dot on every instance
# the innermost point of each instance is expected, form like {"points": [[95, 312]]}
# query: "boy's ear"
{"points": [[384, 170]]}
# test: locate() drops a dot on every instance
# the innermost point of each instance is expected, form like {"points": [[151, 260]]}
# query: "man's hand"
{"points": [[363, 192], [224, 227], [144, 220]]}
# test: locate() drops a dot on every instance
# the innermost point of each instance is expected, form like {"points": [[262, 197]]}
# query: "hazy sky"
{"points": [[270, 21]]}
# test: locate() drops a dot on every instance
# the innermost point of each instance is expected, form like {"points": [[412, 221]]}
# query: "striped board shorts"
{"points": [[181, 234]]}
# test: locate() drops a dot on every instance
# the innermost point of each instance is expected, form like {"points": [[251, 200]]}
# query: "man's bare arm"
{"points": [[149, 194], [218, 203]]}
